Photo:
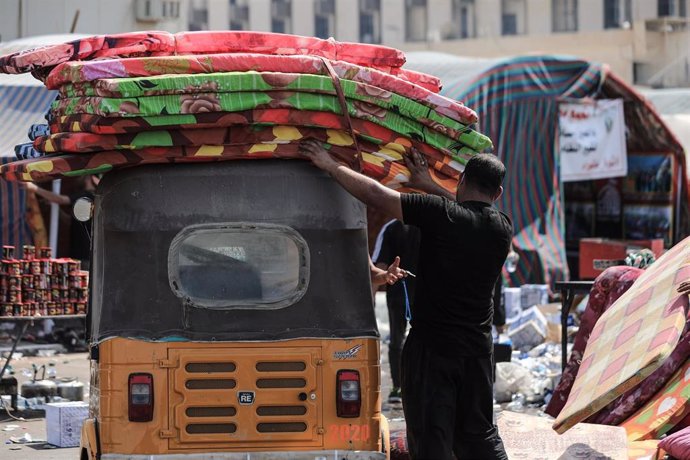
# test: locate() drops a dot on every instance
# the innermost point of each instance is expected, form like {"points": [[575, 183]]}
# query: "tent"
{"points": [[23, 102], [517, 102]]}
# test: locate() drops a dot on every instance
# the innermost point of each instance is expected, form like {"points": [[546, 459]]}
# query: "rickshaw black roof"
{"points": [[138, 212]]}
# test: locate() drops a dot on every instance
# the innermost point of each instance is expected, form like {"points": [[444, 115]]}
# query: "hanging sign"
{"points": [[592, 140]]}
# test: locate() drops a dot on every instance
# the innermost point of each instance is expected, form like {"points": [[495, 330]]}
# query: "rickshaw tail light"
{"points": [[140, 397], [348, 394]]}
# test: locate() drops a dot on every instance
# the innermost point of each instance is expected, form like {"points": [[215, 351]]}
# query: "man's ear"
{"points": [[498, 194]]}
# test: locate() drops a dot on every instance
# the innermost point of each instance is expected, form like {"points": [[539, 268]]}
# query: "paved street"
{"points": [[76, 365]]}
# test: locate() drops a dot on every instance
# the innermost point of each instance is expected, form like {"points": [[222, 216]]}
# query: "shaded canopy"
{"points": [[516, 100], [23, 102]]}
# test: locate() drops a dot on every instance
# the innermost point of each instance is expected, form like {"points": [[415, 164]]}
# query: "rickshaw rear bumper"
{"points": [[273, 455]]}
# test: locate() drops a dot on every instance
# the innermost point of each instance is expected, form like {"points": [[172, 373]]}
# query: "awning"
{"points": [[20, 107], [23, 102]]}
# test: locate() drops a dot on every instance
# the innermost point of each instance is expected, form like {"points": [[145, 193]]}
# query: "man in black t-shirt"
{"points": [[398, 239], [447, 358]]}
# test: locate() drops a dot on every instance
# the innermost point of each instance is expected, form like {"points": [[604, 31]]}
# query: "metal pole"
{"points": [[74, 22], [20, 19], [54, 218], [566, 300]]}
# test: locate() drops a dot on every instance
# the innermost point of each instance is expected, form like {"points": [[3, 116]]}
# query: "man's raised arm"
{"points": [[365, 189]]}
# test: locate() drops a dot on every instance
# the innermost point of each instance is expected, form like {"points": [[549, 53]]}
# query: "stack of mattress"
{"points": [[155, 97]]}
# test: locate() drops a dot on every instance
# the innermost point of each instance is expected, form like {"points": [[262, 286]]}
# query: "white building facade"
{"points": [[644, 41]]}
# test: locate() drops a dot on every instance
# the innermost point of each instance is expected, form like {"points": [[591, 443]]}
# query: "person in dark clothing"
{"points": [[398, 239], [499, 307], [447, 358], [80, 232], [389, 274]]}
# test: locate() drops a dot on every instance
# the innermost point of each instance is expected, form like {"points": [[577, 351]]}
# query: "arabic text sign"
{"points": [[592, 140]]}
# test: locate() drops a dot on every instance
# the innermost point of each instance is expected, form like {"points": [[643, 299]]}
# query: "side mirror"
{"points": [[83, 209]]}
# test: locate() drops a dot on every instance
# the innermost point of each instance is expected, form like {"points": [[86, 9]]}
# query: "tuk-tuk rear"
{"points": [[231, 315]]}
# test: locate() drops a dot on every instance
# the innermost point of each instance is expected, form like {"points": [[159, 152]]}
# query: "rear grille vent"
{"points": [[281, 383], [288, 366], [293, 427], [210, 384], [228, 411], [281, 410], [245, 396], [210, 367], [211, 428]]}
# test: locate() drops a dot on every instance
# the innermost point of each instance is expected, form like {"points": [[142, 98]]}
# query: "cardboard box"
{"points": [[552, 312], [533, 294], [64, 421], [511, 300], [592, 249], [528, 330]]}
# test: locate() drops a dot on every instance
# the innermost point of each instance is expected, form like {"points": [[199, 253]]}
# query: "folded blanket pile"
{"points": [[155, 97]]}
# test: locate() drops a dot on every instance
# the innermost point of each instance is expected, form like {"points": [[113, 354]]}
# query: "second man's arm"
{"points": [[365, 189]]}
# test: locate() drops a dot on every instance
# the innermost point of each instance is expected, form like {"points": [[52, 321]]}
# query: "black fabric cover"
{"points": [[139, 211]]}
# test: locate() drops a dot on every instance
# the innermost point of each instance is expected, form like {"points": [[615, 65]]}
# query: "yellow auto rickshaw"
{"points": [[231, 316]]}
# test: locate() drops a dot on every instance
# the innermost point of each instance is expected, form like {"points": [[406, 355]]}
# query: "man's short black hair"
{"points": [[485, 172]]}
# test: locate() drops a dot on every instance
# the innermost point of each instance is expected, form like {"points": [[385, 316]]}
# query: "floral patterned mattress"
{"points": [[154, 97]]}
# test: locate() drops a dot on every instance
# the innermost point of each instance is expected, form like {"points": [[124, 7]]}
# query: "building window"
{"points": [[198, 15], [509, 24], [415, 20], [324, 18], [617, 14], [564, 15], [513, 17], [462, 24], [281, 16], [370, 21], [671, 8], [239, 15]]}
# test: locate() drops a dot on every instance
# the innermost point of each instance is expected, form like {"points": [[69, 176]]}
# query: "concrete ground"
{"points": [[67, 365], [77, 365]]}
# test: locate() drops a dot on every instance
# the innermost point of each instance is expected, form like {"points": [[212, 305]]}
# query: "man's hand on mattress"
{"points": [[318, 155], [419, 170]]}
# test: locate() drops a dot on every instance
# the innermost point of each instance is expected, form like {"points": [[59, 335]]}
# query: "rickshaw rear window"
{"points": [[239, 266]]}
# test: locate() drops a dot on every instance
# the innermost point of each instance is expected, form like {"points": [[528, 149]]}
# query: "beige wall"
{"points": [[439, 18], [665, 59], [220, 19], [590, 15], [651, 51], [302, 17], [42, 17], [393, 22], [612, 47], [259, 14], [539, 17], [347, 20], [488, 16]]}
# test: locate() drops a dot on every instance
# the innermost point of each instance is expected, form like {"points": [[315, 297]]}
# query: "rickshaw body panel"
{"points": [[167, 432]]}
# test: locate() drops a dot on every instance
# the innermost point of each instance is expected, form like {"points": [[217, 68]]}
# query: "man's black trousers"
{"points": [[448, 404], [398, 325]]}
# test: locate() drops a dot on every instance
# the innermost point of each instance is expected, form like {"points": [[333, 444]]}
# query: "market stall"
{"points": [[639, 194]]}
